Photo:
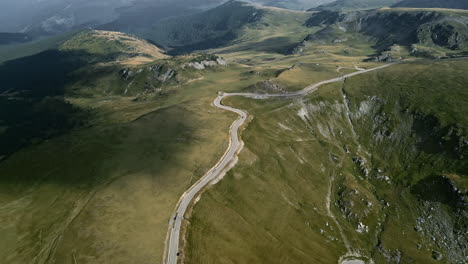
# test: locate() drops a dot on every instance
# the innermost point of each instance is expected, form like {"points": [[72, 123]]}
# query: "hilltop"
{"points": [[114, 46]]}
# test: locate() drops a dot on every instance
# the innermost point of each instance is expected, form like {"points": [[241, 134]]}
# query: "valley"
{"points": [[348, 145]]}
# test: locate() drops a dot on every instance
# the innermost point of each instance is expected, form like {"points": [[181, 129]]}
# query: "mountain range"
{"points": [[47, 17], [173, 131], [50, 17]]}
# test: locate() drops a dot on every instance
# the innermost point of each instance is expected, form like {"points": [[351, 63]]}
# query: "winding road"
{"points": [[228, 160]]}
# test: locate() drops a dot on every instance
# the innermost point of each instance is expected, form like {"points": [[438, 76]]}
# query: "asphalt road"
{"points": [[227, 161]]}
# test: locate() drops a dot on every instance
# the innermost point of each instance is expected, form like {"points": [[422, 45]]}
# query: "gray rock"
{"points": [[437, 255]]}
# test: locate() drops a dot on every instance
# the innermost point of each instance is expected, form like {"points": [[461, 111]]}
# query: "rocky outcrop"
{"points": [[167, 74], [206, 64], [268, 86], [427, 52], [391, 55], [449, 34]]}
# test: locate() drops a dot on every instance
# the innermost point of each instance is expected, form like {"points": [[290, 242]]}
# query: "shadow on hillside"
{"points": [[32, 104], [438, 189], [204, 45], [13, 38], [46, 73], [141, 17], [33, 109], [280, 45], [150, 144], [437, 139]]}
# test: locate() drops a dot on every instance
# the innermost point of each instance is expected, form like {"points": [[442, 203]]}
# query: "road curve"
{"points": [[172, 243], [235, 145]]}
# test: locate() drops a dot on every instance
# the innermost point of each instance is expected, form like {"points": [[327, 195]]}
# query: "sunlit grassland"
{"points": [[272, 205], [106, 192], [271, 208]]}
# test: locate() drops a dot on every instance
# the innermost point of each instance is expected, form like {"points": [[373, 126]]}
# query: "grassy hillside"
{"points": [[142, 16], [107, 125], [447, 30], [86, 195], [433, 4], [341, 171], [114, 46], [209, 29], [275, 32], [140, 146], [91, 64], [347, 5], [294, 4], [34, 88], [108, 132], [433, 33]]}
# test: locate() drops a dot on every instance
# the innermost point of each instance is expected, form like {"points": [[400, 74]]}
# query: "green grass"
{"points": [[203, 30], [104, 192], [98, 192], [443, 81], [410, 9], [117, 183], [272, 205], [353, 5]]}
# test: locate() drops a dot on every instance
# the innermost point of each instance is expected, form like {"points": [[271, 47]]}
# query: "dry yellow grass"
{"points": [[142, 51]]}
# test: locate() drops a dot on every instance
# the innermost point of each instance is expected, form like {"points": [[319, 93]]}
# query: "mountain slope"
{"points": [[455, 4], [115, 46], [343, 5], [339, 173], [50, 17], [76, 126], [34, 108], [42, 18], [423, 32], [291, 4], [425, 27], [12, 38], [103, 133], [208, 29]]}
